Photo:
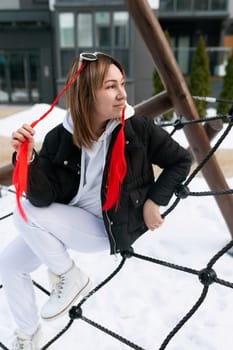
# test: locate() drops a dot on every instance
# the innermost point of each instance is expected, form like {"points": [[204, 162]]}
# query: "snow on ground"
{"points": [[9, 124], [145, 301]]}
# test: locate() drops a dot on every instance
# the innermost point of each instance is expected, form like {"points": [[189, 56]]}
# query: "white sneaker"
{"points": [[24, 342], [66, 288]]}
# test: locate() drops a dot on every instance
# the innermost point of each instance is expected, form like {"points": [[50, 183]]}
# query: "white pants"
{"points": [[45, 239]]}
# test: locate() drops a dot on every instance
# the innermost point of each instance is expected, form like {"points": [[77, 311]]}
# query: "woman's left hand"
{"points": [[152, 216]]}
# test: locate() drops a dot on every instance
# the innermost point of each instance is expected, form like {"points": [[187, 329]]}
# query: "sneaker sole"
{"points": [[83, 292]]}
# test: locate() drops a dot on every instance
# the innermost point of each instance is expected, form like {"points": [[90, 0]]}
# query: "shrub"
{"points": [[200, 78], [227, 88]]}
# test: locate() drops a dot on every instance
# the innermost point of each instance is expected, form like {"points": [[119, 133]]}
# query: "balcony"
{"points": [[187, 8], [90, 2]]}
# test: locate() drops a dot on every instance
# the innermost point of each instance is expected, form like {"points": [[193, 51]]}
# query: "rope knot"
{"points": [[207, 276], [178, 124], [75, 312], [127, 253], [182, 191]]}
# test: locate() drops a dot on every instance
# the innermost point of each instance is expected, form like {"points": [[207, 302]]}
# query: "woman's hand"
{"points": [[26, 132], [151, 214]]}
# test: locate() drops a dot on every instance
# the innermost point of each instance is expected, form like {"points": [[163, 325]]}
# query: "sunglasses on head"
{"points": [[88, 56]]}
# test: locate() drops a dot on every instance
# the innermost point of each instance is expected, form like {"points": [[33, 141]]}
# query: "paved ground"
{"points": [[6, 110]]}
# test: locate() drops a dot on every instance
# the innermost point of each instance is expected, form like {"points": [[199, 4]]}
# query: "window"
{"points": [[183, 5], [121, 29], [102, 29], [66, 30], [41, 1], [183, 53], [106, 31], [201, 5], [121, 38], [19, 77], [219, 5], [166, 5], [66, 36], [84, 30]]}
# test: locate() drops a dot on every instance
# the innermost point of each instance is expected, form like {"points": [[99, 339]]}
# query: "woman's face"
{"points": [[111, 97]]}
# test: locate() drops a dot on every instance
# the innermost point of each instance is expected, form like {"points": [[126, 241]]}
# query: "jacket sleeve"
{"points": [[172, 158], [42, 183], [54, 175]]}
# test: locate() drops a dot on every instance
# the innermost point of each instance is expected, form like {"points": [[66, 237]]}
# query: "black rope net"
{"points": [[206, 275]]}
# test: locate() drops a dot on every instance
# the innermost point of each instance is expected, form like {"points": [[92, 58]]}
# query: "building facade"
{"points": [[27, 68], [186, 20], [40, 38], [91, 25]]}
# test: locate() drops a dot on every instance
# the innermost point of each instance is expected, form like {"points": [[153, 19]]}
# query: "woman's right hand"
{"points": [[26, 132]]}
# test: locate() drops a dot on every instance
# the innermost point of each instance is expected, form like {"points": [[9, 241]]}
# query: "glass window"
{"points": [[166, 5], [66, 29], [183, 5], [4, 96], [67, 57], [121, 28], [102, 29], [34, 77], [218, 5], [84, 28], [183, 53], [41, 1], [18, 77], [123, 57], [201, 5], [24, 77]]}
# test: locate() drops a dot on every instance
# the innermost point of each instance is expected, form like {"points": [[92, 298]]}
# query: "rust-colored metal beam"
{"points": [[181, 98]]}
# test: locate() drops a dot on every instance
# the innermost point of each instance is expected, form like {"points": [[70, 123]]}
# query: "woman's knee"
{"points": [[17, 257]]}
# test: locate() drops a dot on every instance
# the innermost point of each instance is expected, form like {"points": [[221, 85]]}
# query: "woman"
{"points": [[90, 188]]}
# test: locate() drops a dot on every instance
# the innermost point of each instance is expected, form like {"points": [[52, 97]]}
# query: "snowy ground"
{"points": [[145, 301]]}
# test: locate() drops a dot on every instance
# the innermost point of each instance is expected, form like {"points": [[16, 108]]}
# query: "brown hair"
{"points": [[80, 97]]}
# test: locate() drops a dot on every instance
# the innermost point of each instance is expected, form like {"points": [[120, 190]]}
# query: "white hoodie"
{"points": [[92, 166]]}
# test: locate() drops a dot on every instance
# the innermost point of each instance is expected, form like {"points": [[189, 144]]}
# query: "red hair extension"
{"points": [[20, 174], [117, 169]]}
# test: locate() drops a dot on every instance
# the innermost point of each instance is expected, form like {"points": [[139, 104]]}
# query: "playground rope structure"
{"points": [[206, 275]]}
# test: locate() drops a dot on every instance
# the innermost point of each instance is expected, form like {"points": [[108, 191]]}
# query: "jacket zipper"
{"points": [[111, 234]]}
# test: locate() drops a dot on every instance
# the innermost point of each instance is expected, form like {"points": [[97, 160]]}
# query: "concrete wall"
{"points": [[143, 67]]}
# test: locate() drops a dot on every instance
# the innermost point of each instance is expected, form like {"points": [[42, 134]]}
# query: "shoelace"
{"points": [[20, 343], [58, 287]]}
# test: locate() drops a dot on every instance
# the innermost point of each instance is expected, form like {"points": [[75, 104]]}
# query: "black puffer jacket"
{"points": [[54, 175]]}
